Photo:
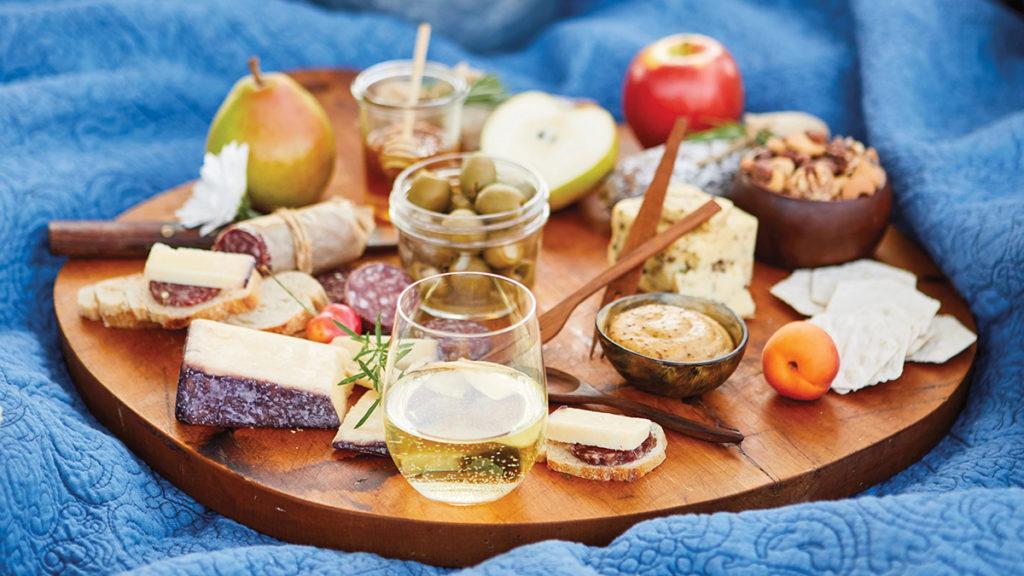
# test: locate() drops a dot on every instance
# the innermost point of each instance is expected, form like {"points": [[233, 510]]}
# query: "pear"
{"points": [[573, 145], [291, 142]]}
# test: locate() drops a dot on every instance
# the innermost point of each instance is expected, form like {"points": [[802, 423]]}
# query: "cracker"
{"points": [[947, 337], [865, 347], [825, 280], [795, 291], [893, 299]]}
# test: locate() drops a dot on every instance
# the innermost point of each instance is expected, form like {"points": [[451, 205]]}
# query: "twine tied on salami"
{"points": [[300, 240], [312, 239]]}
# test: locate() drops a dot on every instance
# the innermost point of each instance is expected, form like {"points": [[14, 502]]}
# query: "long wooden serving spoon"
{"points": [[564, 388], [552, 321]]}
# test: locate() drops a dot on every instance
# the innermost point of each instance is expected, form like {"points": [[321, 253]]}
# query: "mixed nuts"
{"points": [[807, 165]]}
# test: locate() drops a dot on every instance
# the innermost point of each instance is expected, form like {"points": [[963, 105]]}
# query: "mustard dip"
{"points": [[670, 333]]}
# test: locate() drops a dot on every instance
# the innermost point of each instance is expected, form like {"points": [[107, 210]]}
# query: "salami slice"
{"points": [[372, 290], [608, 457], [450, 348], [241, 241], [334, 284], [180, 295]]}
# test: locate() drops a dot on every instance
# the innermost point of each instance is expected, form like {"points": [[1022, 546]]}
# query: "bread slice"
{"points": [[278, 310], [560, 459], [125, 302]]}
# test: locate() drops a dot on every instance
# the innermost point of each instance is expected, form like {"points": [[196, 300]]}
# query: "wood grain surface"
{"points": [[291, 485]]}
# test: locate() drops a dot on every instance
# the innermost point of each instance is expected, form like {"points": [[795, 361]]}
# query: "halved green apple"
{"points": [[572, 144]]}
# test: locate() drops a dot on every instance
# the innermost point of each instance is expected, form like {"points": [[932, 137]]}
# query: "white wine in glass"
{"points": [[465, 426]]}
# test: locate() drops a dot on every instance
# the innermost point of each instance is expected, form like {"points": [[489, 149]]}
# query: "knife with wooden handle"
{"points": [[133, 239], [645, 225]]}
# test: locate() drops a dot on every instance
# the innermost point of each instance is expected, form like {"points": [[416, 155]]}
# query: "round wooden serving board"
{"points": [[292, 485]]}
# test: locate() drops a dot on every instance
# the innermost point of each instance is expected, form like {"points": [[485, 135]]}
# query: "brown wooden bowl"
{"points": [[797, 233]]}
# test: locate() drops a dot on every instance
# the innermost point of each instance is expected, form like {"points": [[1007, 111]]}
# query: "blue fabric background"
{"points": [[104, 103]]}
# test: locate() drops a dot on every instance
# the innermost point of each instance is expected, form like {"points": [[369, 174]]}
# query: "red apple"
{"points": [[687, 75]]}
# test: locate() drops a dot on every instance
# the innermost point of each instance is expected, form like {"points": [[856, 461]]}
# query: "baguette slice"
{"points": [[125, 302], [278, 310], [560, 459]]}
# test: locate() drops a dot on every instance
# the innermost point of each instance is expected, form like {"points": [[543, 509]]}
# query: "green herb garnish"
{"points": [[371, 358], [245, 210], [727, 131], [487, 90]]}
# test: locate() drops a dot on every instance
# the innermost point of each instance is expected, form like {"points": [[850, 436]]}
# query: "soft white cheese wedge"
{"points": [[203, 268], [611, 431], [370, 435]]}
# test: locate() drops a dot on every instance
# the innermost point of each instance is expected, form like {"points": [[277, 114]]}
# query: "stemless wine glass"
{"points": [[464, 424]]}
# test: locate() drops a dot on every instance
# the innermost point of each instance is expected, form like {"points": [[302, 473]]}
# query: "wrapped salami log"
{"points": [[311, 239]]}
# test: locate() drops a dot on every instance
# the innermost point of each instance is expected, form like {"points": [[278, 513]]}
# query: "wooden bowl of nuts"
{"points": [[818, 201]]}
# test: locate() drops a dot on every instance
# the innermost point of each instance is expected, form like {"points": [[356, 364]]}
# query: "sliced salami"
{"points": [[608, 457], [450, 348], [372, 290], [180, 295], [334, 284], [241, 241]]}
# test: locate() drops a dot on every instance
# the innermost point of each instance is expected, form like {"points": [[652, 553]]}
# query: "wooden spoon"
{"points": [[552, 321], [645, 225], [572, 390]]}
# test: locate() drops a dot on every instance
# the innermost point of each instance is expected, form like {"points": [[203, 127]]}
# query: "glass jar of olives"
{"points": [[469, 213]]}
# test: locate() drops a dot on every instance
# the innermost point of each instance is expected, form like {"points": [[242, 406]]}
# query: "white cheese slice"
{"points": [[611, 431], [371, 432], [203, 268], [219, 349]]}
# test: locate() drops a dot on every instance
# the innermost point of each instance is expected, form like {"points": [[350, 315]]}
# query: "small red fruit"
{"points": [[684, 76], [324, 326], [800, 361]]}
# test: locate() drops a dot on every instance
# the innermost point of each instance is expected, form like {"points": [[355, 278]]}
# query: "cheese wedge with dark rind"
{"points": [[368, 438], [232, 376]]}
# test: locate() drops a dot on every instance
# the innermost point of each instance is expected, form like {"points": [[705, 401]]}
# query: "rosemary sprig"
{"points": [[371, 359]]}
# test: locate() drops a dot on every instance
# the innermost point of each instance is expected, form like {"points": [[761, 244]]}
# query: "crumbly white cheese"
{"points": [[203, 268], [611, 431], [714, 261]]}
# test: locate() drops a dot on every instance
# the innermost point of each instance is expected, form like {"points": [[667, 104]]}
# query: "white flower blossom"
{"points": [[218, 193]]}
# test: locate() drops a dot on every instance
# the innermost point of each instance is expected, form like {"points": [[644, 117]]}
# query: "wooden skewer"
{"points": [[645, 225], [419, 60], [552, 321]]}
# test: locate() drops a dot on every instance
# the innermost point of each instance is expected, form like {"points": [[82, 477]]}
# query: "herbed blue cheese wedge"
{"points": [[233, 376]]}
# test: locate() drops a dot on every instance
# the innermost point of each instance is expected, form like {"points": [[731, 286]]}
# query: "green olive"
{"points": [[477, 173], [470, 287], [527, 189], [523, 272], [498, 198], [421, 270], [432, 254], [430, 192], [504, 256], [466, 262], [459, 201], [469, 228]]}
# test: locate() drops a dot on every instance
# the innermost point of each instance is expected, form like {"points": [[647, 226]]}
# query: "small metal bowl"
{"points": [[663, 377]]}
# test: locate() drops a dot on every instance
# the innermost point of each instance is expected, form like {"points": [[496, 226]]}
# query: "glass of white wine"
{"points": [[465, 421]]}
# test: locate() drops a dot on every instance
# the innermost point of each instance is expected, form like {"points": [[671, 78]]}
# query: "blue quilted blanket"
{"points": [[104, 103]]}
